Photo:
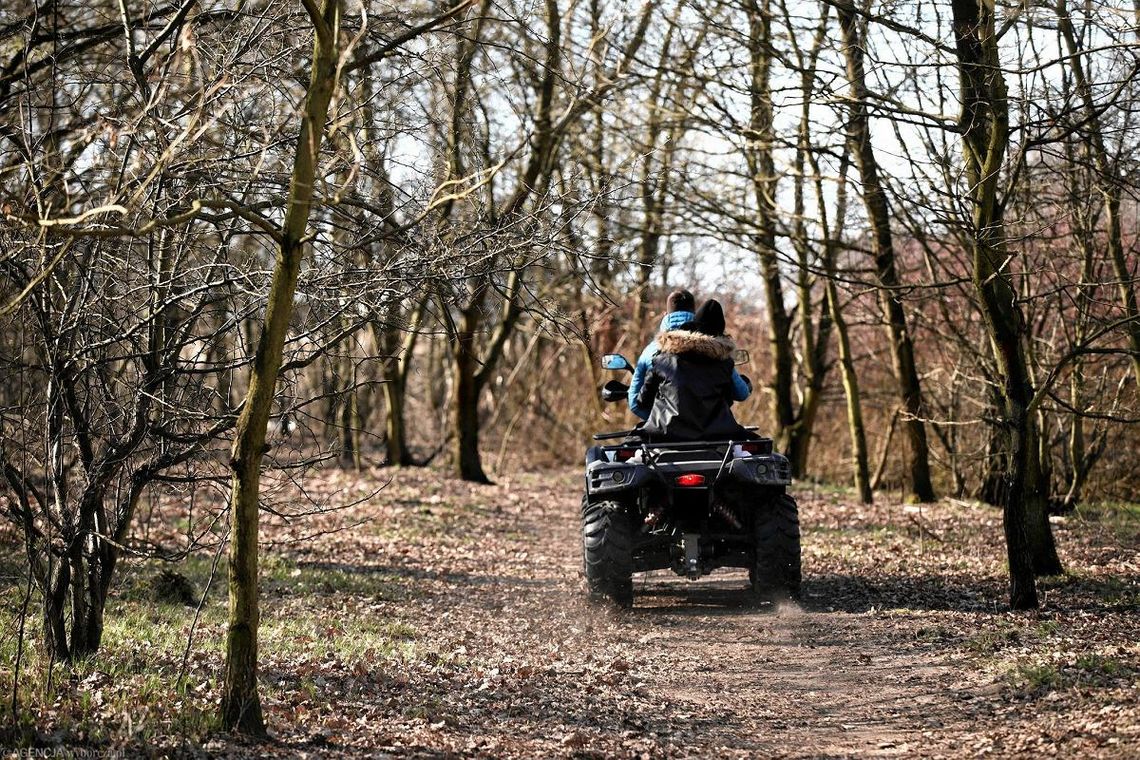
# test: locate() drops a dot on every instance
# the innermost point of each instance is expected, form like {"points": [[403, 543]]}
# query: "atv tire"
{"points": [[607, 552], [775, 573]]}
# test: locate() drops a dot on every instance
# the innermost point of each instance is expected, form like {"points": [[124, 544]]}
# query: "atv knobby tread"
{"points": [[607, 551], [776, 571]]}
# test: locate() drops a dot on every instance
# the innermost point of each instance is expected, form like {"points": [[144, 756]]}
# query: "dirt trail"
{"points": [[790, 681], [523, 666]]}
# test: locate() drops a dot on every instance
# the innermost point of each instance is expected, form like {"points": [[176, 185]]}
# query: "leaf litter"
{"points": [[433, 618]]}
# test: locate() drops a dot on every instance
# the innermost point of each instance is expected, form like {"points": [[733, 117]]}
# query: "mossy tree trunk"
{"points": [[241, 705]]}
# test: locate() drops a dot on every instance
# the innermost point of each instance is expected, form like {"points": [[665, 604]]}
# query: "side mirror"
{"points": [[614, 390], [740, 357], [615, 361]]}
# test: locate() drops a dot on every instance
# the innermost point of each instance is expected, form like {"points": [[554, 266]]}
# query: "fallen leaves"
{"points": [[438, 619]]}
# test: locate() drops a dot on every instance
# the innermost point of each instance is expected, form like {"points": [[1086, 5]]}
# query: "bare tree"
{"points": [[879, 217], [1109, 182], [985, 136], [493, 214]]}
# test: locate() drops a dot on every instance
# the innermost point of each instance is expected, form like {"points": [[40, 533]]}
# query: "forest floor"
{"points": [[434, 619]]}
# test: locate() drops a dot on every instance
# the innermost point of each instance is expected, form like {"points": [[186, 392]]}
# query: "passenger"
{"points": [[690, 384], [680, 305]]}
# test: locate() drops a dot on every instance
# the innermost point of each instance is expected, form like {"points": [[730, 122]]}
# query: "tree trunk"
{"points": [[851, 391], [395, 435], [472, 370], [1042, 546], [993, 488], [834, 234], [601, 265], [466, 399], [349, 422], [78, 645], [881, 467], [1078, 461], [394, 364], [1078, 471], [878, 215], [948, 436], [87, 629], [985, 137], [80, 580], [761, 166], [815, 333], [397, 354], [646, 257], [654, 182], [55, 610], [241, 705]]}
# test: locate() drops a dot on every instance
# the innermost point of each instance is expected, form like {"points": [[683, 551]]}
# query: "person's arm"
{"points": [[639, 373], [647, 394], [741, 390]]}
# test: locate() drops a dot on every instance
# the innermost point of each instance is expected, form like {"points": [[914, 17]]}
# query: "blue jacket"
{"points": [[671, 321]]}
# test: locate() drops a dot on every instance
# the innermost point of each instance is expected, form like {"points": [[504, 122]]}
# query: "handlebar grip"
{"points": [[608, 436]]}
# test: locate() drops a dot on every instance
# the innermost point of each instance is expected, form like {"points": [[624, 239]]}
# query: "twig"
{"points": [[877, 478], [198, 613], [20, 647], [923, 529]]}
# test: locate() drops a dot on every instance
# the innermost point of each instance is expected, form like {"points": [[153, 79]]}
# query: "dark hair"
{"points": [[681, 300], [710, 318]]}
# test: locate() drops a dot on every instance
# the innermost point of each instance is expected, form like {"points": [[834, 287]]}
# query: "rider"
{"points": [[690, 384], [680, 306]]}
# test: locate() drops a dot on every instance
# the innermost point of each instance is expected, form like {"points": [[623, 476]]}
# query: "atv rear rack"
{"points": [[665, 444]]}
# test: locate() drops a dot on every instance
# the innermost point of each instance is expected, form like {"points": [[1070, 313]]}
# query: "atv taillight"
{"points": [[757, 447], [690, 480], [623, 455]]}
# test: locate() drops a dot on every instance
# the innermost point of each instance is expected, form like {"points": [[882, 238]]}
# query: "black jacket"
{"points": [[689, 388]]}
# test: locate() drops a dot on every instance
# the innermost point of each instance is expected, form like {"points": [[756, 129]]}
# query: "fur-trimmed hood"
{"points": [[687, 341]]}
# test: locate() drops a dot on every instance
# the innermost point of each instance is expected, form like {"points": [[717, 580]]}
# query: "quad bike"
{"points": [[690, 507]]}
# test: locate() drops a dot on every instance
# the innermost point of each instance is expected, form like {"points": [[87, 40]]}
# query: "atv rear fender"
{"points": [[607, 478], [769, 470]]}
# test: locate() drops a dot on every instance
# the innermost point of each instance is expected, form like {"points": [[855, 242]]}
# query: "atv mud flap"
{"points": [[691, 544]]}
